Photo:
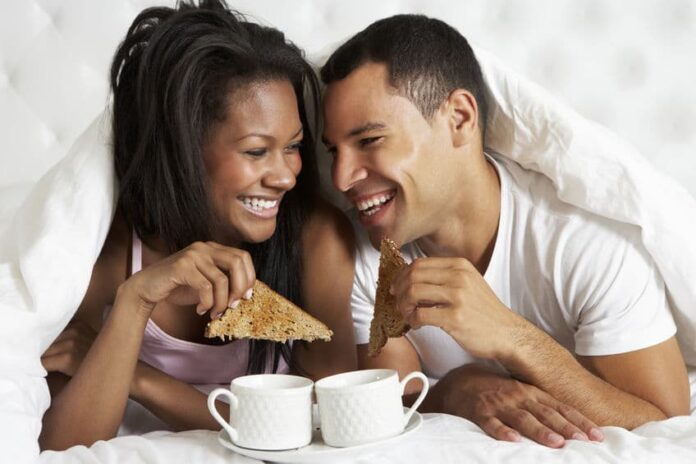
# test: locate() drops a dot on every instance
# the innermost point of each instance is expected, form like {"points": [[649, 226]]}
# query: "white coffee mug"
{"points": [[363, 406], [267, 411]]}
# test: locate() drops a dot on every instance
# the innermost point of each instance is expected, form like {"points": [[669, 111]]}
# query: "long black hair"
{"points": [[171, 79]]}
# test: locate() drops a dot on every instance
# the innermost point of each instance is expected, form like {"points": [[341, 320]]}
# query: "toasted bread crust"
{"points": [[268, 316], [386, 321]]}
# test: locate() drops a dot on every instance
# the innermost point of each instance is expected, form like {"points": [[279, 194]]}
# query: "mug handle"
{"points": [[421, 397], [234, 403]]}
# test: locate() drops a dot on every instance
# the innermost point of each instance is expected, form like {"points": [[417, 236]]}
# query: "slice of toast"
{"points": [[268, 316], [386, 321]]}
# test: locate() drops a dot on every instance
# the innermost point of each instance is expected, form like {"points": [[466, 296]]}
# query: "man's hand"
{"points": [[451, 294], [507, 409]]}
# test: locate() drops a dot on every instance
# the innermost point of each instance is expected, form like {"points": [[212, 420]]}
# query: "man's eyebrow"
{"points": [[370, 126]]}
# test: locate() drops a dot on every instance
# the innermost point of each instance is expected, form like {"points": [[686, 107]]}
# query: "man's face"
{"points": [[391, 163]]}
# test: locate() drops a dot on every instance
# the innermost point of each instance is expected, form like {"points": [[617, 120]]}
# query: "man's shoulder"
{"points": [[539, 209], [559, 232]]}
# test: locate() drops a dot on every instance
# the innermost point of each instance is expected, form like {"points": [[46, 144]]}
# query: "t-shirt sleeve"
{"points": [[362, 299], [617, 294]]}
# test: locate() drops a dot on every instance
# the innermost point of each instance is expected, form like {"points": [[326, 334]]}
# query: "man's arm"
{"points": [[504, 408], [627, 389], [451, 294]]}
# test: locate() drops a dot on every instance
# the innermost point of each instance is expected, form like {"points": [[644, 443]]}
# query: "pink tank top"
{"points": [[190, 362]]}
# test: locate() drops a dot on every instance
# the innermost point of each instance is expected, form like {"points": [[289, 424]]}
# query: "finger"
{"points": [[423, 295], [432, 263], [247, 261], [202, 286], [220, 286], [60, 346], [524, 422], [411, 277], [555, 421], [422, 316], [233, 261], [56, 362], [590, 429], [496, 429], [70, 331]]}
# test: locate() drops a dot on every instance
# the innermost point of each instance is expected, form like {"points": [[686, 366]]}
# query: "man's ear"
{"points": [[462, 113]]}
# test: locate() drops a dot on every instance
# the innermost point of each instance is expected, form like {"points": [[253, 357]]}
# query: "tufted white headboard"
{"points": [[628, 65]]}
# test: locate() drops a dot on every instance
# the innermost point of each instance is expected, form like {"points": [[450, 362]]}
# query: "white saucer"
{"points": [[317, 450]]}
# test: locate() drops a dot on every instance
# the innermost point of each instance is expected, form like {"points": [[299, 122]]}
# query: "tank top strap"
{"points": [[136, 254]]}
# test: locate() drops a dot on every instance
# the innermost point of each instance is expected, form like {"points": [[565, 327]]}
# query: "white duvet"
{"points": [[47, 252]]}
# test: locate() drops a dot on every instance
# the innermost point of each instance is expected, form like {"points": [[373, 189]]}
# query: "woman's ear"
{"points": [[463, 117]]}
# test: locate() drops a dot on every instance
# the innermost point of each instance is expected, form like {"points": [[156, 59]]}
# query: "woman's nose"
{"points": [[282, 171]]}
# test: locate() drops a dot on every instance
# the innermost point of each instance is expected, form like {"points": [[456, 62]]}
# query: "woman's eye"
{"points": [[257, 153], [294, 148], [369, 141]]}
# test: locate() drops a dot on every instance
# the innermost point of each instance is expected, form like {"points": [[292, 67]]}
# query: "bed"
{"points": [[627, 70]]}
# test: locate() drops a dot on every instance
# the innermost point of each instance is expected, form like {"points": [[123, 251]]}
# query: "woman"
{"points": [[218, 186]]}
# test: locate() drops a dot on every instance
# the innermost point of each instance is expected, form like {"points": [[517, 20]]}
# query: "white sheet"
{"points": [[595, 170], [46, 258]]}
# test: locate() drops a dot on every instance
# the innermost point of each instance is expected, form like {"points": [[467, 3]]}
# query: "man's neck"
{"points": [[470, 232]]}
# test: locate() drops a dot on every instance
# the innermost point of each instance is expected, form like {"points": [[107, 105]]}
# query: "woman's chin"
{"points": [[258, 235]]}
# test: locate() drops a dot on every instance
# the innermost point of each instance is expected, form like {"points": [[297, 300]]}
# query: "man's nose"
{"points": [[347, 170]]}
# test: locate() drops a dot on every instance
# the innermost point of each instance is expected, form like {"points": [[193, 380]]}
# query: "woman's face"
{"points": [[253, 159]]}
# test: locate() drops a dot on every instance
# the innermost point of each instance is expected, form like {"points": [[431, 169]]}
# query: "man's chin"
{"points": [[376, 235]]}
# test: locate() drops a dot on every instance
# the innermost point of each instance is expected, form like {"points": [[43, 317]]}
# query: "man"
{"points": [[538, 318]]}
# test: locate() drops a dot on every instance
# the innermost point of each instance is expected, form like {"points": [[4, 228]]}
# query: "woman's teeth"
{"points": [[371, 206], [259, 204]]}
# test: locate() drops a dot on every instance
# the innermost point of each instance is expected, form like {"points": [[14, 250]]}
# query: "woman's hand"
{"points": [[211, 276], [69, 349]]}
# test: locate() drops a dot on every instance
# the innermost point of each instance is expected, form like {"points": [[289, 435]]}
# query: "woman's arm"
{"points": [[94, 399], [176, 403], [328, 267]]}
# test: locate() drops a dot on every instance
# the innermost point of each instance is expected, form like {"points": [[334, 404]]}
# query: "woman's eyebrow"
{"points": [[268, 136]]}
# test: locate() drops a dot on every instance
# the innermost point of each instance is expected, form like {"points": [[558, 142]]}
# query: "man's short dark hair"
{"points": [[427, 59]]}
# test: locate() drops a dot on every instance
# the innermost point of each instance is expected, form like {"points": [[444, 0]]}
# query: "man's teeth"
{"points": [[259, 204], [371, 206]]}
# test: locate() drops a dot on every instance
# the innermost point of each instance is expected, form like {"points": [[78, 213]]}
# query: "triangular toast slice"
{"points": [[268, 316], [386, 321]]}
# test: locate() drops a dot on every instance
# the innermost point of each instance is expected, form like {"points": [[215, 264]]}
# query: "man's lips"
{"points": [[370, 203]]}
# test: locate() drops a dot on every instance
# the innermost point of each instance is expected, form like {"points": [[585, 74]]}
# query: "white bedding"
{"points": [[441, 439], [47, 253]]}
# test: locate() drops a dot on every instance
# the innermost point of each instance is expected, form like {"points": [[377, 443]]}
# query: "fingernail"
{"points": [[249, 293], [233, 304], [596, 434], [200, 311], [216, 316], [555, 438], [580, 436], [512, 436]]}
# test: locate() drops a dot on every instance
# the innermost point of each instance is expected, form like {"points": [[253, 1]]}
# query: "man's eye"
{"points": [[257, 153], [332, 151], [369, 141]]}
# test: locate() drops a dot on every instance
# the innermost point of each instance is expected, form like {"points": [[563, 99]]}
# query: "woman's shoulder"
{"points": [[326, 229], [109, 271]]}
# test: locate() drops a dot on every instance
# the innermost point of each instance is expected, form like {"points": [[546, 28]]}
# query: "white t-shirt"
{"points": [[585, 280]]}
